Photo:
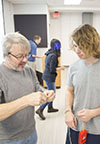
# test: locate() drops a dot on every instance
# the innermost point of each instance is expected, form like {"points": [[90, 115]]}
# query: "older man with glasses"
{"points": [[19, 93]]}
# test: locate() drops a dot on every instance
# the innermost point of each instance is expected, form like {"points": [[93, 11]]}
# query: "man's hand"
{"points": [[36, 98], [60, 68], [85, 115], [50, 95], [70, 120]]}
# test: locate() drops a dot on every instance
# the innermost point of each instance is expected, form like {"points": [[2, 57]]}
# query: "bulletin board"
{"points": [[30, 25]]}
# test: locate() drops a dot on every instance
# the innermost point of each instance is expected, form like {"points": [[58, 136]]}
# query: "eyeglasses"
{"points": [[21, 57]]}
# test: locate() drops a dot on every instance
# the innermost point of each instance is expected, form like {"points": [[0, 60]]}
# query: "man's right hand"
{"points": [[36, 99], [70, 120]]}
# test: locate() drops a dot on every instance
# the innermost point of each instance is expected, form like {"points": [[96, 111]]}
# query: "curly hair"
{"points": [[88, 40]]}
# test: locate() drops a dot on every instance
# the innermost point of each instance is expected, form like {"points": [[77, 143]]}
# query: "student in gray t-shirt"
{"points": [[19, 93], [83, 87]]}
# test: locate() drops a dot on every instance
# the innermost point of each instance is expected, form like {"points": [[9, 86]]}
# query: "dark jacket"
{"points": [[51, 63]]}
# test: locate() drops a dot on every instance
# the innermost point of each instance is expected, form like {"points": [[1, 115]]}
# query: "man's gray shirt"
{"points": [[14, 85], [86, 82]]}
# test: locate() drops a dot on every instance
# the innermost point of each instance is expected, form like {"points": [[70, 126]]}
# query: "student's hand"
{"points": [[36, 99], [62, 68], [85, 114], [70, 120], [40, 56], [50, 95]]}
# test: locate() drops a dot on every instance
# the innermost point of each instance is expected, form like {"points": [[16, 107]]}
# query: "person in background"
{"points": [[33, 52], [50, 73], [19, 93], [83, 87]]}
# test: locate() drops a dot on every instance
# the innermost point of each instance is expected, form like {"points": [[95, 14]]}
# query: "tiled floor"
{"points": [[53, 129]]}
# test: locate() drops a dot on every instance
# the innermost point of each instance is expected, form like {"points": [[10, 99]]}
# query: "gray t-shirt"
{"points": [[86, 82], [14, 85]]}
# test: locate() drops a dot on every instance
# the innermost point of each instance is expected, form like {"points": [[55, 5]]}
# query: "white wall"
{"points": [[55, 27], [69, 22], [8, 17], [96, 21], [1, 31]]}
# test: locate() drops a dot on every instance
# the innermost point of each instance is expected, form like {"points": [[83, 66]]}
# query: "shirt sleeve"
{"points": [[33, 52], [53, 64], [69, 77], [33, 49]]}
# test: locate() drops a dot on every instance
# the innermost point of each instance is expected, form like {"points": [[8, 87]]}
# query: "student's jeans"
{"points": [[30, 140], [50, 86], [72, 137]]}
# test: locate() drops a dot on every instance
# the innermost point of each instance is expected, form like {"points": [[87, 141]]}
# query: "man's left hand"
{"points": [[85, 114], [50, 95]]}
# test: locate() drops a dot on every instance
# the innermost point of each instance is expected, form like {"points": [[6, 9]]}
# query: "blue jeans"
{"points": [[30, 140], [50, 86], [73, 137]]}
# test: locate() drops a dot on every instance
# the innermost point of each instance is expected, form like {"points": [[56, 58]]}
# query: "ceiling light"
{"points": [[72, 2]]}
